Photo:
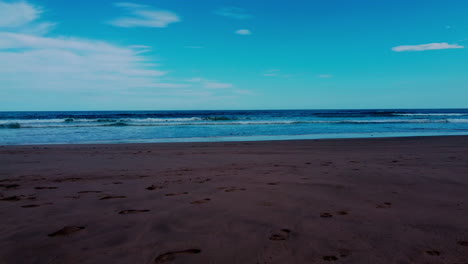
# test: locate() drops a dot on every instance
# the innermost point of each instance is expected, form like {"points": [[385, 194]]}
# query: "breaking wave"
{"points": [[203, 122], [10, 125]]}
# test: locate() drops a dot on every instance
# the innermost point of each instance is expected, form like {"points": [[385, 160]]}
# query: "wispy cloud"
{"points": [[141, 48], [272, 72], [20, 17], [430, 46], [233, 12], [243, 32], [92, 72], [144, 16], [89, 66], [210, 84], [69, 63], [276, 73], [17, 14]]}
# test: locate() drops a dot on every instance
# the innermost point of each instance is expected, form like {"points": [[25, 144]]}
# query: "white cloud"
{"points": [[66, 63], [19, 17], [141, 48], [144, 16], [325, 76], [210, 84], [217, 85], [233, 12], [17, 14], [243, 32], [38, 28], [430, 46], [91, 71], [17, 40], [75, 64]]}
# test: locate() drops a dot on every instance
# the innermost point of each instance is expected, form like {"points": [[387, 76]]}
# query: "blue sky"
{"points": [[217, 54]]}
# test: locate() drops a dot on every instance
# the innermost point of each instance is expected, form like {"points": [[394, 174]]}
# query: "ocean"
{"points": [[24, 128]]}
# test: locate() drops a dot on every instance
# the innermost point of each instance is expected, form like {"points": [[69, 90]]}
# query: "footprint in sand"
{"points": [[433, 252], [10, 199], [201, 201], [31, 205], [67, 179], [203, 181], [235, 189], [384, 205], [133, 211], [342, 213], [89, 192], [9, 186], [170, 256], [34, 205], [112, 197], [68, 230], [273, 183], [45, 188], [463, 243], [175, 194], [281, 236], [231, 189], [326, 215], [154, 187], [330, 258]]}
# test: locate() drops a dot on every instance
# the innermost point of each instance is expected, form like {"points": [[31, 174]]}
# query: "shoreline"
{"points": [[234, 141], [366, 200]]}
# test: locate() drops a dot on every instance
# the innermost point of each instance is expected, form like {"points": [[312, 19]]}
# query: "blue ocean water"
{"points": [[19, 128]]}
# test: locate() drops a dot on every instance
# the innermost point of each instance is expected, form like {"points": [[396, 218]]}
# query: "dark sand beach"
{"points": [[390, 200]]}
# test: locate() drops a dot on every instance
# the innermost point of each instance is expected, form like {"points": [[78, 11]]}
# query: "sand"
{"points": [[392, 200]]}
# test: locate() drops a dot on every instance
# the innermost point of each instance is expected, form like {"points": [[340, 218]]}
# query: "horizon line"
{"points": [[271, 109]]}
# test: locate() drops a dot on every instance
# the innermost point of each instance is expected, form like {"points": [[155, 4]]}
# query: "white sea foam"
{"points": [[432, 114], [457, 120], [59, 123]]}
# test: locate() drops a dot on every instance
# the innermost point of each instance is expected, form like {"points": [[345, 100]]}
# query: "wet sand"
{"points": [[391, 200]]}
